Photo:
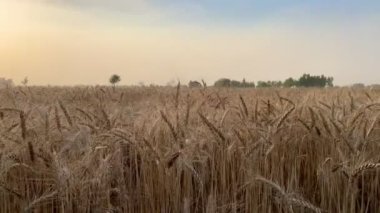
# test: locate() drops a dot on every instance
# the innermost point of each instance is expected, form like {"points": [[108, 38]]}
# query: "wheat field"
{"points": [[164, 149]]}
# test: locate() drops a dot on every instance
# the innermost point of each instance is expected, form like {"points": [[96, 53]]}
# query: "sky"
{"points": [[84, 42]]}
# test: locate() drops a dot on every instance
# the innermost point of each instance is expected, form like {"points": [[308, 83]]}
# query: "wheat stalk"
{"points": [[283, 117], [107, 119], [245, 109], [173, 158], [23, 125], [57, 119], [364, 167], [66, 113], [170, 125], [372, 126], [39, 200], [289, 198], [211, 127]]}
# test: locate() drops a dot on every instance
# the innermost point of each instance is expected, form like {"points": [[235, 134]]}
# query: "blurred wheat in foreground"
{"points": [[152, 149]]}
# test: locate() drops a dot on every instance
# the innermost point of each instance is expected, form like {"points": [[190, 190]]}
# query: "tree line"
{"points": [[306, 80]]}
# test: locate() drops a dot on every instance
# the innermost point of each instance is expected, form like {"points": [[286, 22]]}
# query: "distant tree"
{"points": [[251, 84], [244, 83], [195, 84], [114, 80], [276, 83], [223, 82], [307, 80], [330, 81], [235, 83], [248, 84], [290, 82], [263, 84]]}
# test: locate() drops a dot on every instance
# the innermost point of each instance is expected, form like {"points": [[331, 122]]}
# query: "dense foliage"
{"points": [[305, 80]]}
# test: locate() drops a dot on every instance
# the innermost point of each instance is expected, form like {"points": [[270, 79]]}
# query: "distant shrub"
{"points": [[195, 84]]}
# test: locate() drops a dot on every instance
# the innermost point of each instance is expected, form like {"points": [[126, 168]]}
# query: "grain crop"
{"points": [[180, 149]]}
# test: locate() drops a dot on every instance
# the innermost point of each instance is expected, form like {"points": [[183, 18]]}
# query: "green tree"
{"points": [[114, 80], [276, 83], [244, 83], [290, 82], [223, 82], [235, 83], [330, 81], [307, 80], [263, 84], [250, 84]]}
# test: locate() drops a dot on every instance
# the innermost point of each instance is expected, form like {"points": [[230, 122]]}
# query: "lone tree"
{"points": [[114, 80]]}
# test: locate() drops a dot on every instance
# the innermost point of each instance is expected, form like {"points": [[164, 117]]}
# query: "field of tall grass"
{"points": [[151, 149]]}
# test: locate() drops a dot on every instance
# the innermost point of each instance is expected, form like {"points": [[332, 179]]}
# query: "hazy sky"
{"points": [[70, 42]]}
